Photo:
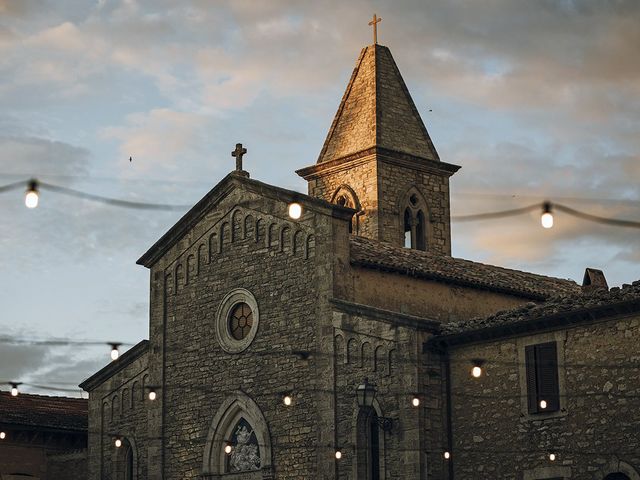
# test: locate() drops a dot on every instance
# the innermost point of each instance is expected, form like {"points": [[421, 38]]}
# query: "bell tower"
{"points": [[378, 158]]}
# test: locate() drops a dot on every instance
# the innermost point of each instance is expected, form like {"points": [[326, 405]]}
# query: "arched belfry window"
{"points": [[414, 220], [346, 197], [238, 441]]}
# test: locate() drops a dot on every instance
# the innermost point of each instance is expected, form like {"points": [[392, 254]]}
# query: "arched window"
{"points": [[125, 461], [369, 445], [238, 440], [421, 231], [415, 229], [346, 197], [619, 470], [244, 455], [128, 463], [408, 236]]}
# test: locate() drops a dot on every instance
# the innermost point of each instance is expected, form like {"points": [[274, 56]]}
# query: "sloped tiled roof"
{"points": [[58, 413], [383, 256], [590, 304], [377, 111]]}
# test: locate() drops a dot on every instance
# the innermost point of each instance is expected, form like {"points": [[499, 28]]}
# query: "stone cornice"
{"points": [[223, 189], [387, 316], [126, 359], [381, 154]]}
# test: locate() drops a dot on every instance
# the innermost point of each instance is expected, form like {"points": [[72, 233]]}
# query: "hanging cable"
{"points": [[111, 201], [34, 185], [494, 215]]}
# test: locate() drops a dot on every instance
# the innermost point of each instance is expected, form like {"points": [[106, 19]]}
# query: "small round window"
{"points": [[237, 320], [240, 320]]}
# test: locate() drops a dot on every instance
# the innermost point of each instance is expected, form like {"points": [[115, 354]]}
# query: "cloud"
{"points": [[39, 156], [162, 139], [19, 360]]}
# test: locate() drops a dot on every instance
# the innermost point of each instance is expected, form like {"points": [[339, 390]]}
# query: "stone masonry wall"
{"points": [[274, 258], [386, 355], [382, 189], [362, 178], [394, 183], [119, 407], [431, 299], [597, 426]]}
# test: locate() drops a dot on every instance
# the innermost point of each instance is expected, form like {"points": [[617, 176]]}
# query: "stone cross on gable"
{"points": [[375, 23], [238, 153]]}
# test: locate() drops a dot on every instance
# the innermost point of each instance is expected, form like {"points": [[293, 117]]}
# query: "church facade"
{"points": [[322, 346]]}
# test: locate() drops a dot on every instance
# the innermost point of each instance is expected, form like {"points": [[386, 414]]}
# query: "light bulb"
{"points": [[338, 454], [228, 449], [447, 455], [547, 217], [552, 457], [114, 351], [118, 443], [287, 400], [14, 390], [3, 435], [31, 197], [152, 395], [295, 210], [415, 401], [476, 372], [543, 404]]}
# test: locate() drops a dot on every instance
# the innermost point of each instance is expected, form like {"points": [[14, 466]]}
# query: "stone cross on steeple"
{"points": [[375, 23], [238, 153]]}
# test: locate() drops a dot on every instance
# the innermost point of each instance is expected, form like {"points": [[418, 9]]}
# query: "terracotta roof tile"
{"points": [[433, 266], [43, 411]]}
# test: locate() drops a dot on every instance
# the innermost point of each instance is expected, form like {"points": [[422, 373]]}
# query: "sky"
{"points": [[535, 99]]}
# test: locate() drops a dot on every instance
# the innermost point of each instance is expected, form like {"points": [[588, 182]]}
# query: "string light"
{"points": [[415, 401], [547, 217], [446, 455], [298, 208], [114, 351], [338, 454], [14, 389], [31, 197], [476, 370], [295, 210], [118, 442]]}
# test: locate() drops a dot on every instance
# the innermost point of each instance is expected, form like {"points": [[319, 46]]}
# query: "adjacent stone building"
{"points": [[270, 331], [559, 393], [42, 438]]}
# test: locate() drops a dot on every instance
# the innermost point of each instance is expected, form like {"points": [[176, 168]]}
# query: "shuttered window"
{"points": [[542, 377]]}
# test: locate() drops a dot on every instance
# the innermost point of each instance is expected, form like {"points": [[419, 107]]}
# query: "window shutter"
{"points": [[547, 376], [530, 367]]}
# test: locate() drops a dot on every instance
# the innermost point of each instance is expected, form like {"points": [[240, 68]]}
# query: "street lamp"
{"points": [[366, 393]]}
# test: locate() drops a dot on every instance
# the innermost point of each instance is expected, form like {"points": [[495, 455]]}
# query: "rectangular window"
{"points": [[543, 391]]}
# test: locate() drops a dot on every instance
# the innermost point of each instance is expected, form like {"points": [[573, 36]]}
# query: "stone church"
{"points": [[332, 335]]}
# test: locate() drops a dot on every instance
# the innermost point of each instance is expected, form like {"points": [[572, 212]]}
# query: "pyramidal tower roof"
{"points": [[377, 111]]}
